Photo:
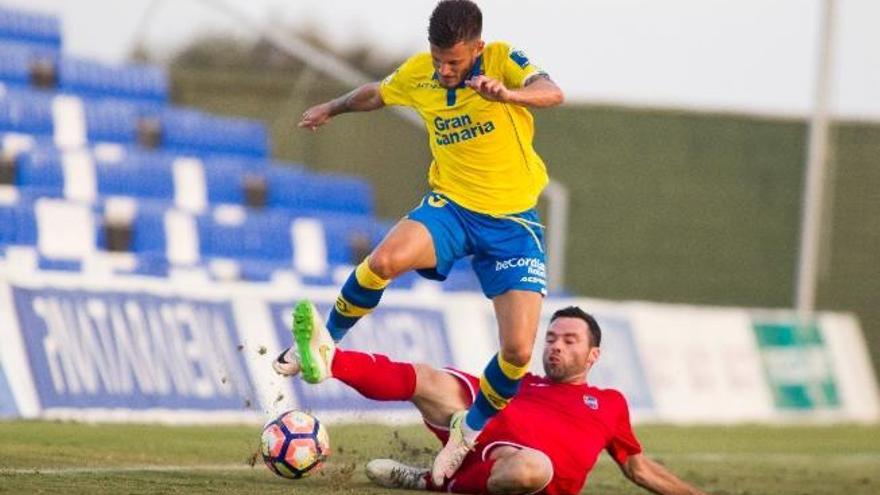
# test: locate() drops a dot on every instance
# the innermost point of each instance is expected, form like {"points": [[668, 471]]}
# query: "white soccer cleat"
{"points": [[449, 458], [314, 345], [393, 474], [287, 363]]}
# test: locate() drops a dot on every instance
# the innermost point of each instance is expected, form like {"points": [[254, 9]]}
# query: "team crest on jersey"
{"points": [[437, 201], [591, 402], [520, 58]]}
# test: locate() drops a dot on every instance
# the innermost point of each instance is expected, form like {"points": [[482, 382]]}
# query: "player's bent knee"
{"points": [[386, 264], [518, 356], [526, 471], [537, 470]]}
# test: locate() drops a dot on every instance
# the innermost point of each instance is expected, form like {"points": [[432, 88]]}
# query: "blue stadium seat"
{"points": [[261, 235], [151, 264], [92, 79], [40, 169], [319, 280], [18, 59], [342, 230], [257, 270], [19, 224], [27, 27], [224, 181], [111, 120], [148, 230], [28, 195], [8, 225], [291, 188], [132, 179], [55, 265], [27, 112], [15, 63], [192, 131]]}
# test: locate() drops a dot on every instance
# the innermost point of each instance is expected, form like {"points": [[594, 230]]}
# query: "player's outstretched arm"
{"points": [[362, 99], [539, 91], [652, 476]]}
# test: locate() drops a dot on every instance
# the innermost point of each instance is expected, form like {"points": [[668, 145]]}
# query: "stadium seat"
{"points": [[224, 180], [344, 233], [225, 233], [92, 79], [26, 27], [8, 225], [256, 270], [111, 120], [40, 169], [59, 265], [151, 264], [27, 112], [191, 131], [298, 190], [15, 64], [151, 180], [148, 231], [20, 63], [30, 194], [25, 225]]}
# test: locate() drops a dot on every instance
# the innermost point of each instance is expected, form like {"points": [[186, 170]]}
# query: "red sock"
{"points": [[374, 375], [472, 477]]}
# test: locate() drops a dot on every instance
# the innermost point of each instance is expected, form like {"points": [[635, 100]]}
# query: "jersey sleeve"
{"points": [[517, 68], [395, 88], [623, 441]]}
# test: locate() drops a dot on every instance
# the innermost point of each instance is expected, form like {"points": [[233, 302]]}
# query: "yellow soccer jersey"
{"points": [[483, 155]]}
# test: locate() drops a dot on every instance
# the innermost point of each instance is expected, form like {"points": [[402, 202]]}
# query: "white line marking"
{"points": [[130, 469]]}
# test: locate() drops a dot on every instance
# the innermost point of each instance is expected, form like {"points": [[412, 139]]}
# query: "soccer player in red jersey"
{"points": [[545, 441]]}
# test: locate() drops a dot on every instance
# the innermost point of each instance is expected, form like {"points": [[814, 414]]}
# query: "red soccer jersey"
{"points": [[572, 424]]}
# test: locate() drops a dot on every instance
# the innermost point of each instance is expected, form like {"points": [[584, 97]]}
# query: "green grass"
{"points": [[70, 458]]}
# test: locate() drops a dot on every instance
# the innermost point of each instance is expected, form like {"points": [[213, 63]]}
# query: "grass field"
{"points": [[70, 458]]}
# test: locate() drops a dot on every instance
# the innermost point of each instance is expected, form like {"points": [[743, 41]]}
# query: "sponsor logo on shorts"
{"points": [[537, 273], [535, 265]]}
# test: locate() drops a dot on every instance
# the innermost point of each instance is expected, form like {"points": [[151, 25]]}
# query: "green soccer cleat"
{"points": [[314, 344]]}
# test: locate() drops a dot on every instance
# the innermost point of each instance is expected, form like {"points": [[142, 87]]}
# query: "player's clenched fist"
{"points": [[488, 88], [315, 117]]}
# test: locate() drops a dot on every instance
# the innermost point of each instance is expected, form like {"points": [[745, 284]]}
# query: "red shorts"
{"points": [[485, 446]]}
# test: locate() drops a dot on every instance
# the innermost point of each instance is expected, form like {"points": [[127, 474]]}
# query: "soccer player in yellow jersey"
{"points": [[485, 180]]}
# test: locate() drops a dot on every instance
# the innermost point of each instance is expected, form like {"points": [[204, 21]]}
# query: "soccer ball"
{"points": [[295, 444]]}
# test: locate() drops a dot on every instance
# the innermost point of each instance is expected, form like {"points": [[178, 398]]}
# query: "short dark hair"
{"points": [[453, 21], [576, 312]]}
